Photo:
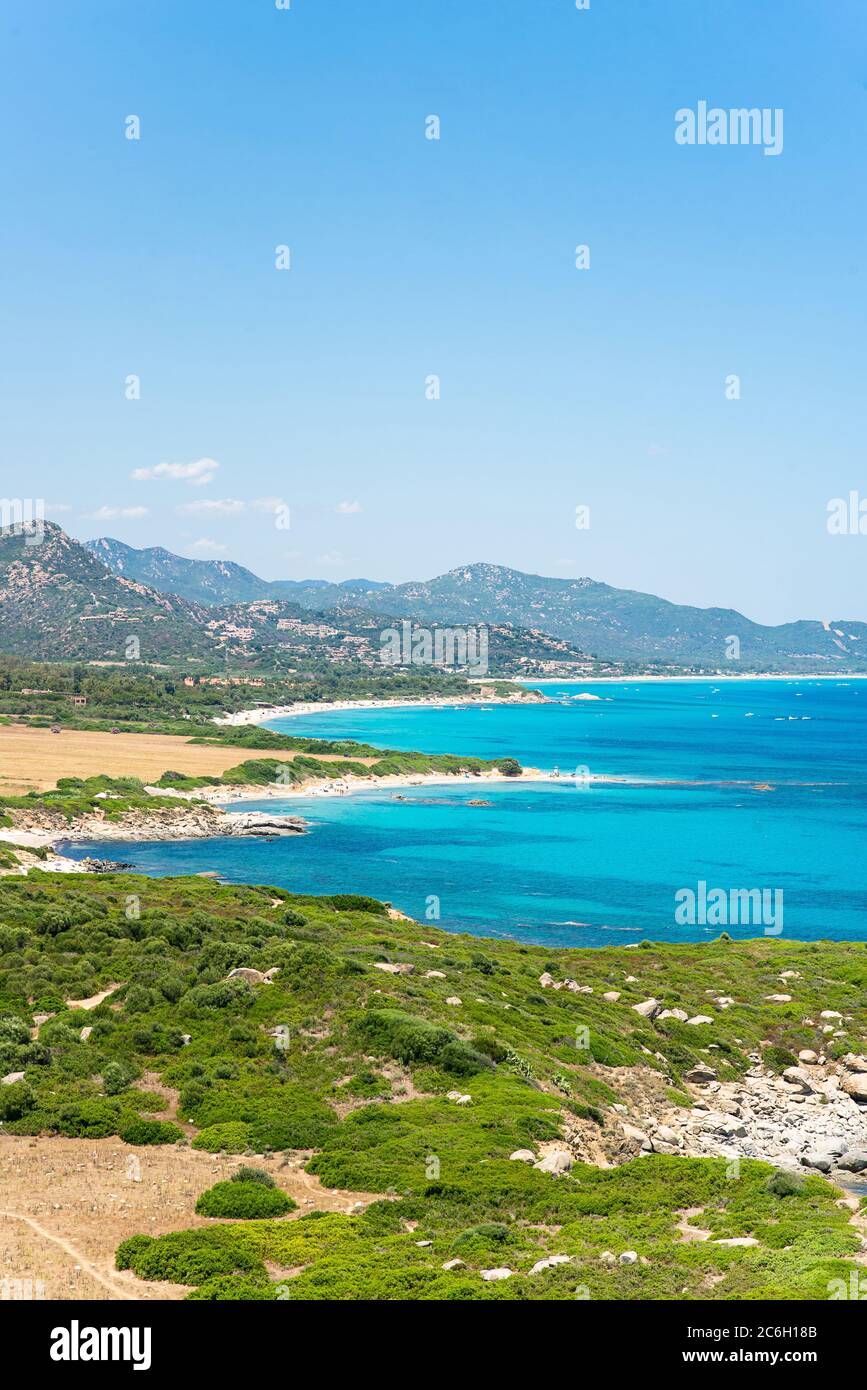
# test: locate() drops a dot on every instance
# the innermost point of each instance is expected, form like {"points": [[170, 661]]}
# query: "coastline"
{"points": [[210, 812], [217, 804], [242, 718]]}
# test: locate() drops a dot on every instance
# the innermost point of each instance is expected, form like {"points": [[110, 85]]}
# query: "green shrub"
{"points": [[246, 1174], [245, 1201], [294, 919], [230, 1288], [130, 1250], [783, 1184], [15, 1100], [357, 902], [190, 1257], [88, 1119], [134, 1130], [232, 1138], [116, 1077], [411, 1039], [778, 1058]]}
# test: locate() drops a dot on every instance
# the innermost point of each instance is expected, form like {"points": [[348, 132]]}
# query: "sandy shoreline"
{"points": [[346, 785], [244, 717]]}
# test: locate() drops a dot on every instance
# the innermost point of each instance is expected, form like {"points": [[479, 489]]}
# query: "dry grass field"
{"points": [[34, 759], [66, 1204]]}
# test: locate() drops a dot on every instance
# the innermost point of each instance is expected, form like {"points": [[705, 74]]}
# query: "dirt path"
{"points": [[687, 1231], [72, 1251], [95, 999]]}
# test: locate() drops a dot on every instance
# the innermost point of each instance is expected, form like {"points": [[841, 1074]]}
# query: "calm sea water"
{"points": [[569, 865]]}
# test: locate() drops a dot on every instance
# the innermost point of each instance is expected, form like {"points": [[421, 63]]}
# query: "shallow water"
{"points": [[561, 863]]}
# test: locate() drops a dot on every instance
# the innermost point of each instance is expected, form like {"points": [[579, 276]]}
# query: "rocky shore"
{"points": [[189, 820]]}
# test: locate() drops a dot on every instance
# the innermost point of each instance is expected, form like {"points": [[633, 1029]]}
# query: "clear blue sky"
{"points": [[560, 387]]}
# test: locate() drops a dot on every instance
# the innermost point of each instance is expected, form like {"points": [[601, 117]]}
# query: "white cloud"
{"points": [[57, 507], [267, 504], [208, 547], [221, 506], [348, 508], [113, 513], [198, 473], [331, 557]]}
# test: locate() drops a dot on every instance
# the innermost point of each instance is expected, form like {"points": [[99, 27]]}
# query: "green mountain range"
{"points": [[618, 625], [59, 601]]}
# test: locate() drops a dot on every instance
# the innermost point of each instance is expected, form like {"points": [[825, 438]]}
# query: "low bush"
{"points": [[134, 1130], [232, 1138], [245, 1201], [245, 1174]]}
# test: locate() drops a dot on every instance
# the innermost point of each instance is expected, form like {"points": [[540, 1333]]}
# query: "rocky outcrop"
{"points": [[187, 821], [558, 1162], [253, 977], [813, 1116]]}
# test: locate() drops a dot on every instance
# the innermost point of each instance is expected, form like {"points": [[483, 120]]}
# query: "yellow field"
{"points": [[34, 759]]}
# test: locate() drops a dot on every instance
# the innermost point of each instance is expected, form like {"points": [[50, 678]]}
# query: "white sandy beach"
{"points": [[260, 716]]}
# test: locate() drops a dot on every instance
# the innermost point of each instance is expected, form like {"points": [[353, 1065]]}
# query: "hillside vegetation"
{"points": [[59, 600], [609, 624], [409, 1062]]}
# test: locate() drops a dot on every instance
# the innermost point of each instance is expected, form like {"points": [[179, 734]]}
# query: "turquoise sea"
{"points": [[565, 864]]}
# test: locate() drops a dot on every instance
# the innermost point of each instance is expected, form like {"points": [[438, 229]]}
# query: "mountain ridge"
{"points": [[59, 601], [608, 623]]}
